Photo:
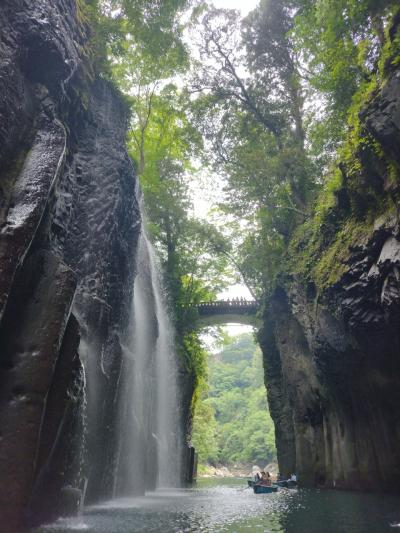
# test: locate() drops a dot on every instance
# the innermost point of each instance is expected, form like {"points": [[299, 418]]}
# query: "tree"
{"points": [[154, 27], [340, 44], [250, 111], [266, 105], [205, 433], [273, 59], [243, 430]]}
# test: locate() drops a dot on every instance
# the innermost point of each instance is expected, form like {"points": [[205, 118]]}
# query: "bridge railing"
{"points": [[238, 310], [228, 303]]}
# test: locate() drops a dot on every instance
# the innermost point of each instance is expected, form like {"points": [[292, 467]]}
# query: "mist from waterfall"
{"points": [[148, 433], [166, 382]]}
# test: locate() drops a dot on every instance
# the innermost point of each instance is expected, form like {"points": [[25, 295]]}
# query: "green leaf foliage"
{"points": [[234, 408]]}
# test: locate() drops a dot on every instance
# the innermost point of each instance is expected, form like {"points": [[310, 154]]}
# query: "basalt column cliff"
{"points": [[69, 229], [331, 336]]}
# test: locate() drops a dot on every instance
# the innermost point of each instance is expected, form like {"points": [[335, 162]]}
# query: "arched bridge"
{"points": [[237, 311]]}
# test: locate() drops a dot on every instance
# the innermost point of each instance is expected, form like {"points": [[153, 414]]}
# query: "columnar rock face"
{"points": [[69, 223], [95, 222], [332, 354]]}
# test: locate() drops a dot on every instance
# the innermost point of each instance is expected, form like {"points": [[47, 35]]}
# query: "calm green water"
{"points": [[225, 505]]}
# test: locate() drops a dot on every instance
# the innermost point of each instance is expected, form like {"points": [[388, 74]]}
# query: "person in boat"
{"points": [[293, 478], [265, 479], [256, 475], [262, 473]]}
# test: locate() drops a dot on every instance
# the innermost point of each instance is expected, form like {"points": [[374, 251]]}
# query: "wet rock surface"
{"points": [[69, 223], [63, 422], [31, 335], [95, 222]]}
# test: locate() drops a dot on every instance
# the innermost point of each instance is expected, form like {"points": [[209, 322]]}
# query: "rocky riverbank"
{"points": [[235, 470]]}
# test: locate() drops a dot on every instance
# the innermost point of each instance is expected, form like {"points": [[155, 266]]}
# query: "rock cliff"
{"points": [[331, 336], [69, 226]]}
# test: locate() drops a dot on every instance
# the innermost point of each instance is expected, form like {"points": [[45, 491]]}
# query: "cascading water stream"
{"points": [[148, 447], [167, 429]]}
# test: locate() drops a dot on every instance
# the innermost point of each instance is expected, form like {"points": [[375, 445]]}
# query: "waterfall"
{"points": [[166, 383], [148, 434]]}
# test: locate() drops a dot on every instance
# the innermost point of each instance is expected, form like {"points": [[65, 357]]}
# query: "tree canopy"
{"points": [[232, 422]]}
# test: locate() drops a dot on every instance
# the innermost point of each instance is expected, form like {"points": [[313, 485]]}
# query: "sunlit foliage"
{"points": [[232, 423]]}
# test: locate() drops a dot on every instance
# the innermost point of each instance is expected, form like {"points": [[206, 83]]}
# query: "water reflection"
{"points": [[227, 506]]}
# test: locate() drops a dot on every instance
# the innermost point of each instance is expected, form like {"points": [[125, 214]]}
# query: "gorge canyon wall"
{"points": [[69, 229], [331, 335]]}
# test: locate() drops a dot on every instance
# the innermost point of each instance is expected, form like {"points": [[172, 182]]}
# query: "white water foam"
{"points": [[148, 406]]}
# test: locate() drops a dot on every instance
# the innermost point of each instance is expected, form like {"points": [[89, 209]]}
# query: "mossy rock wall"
{"points": [[334, 318]]}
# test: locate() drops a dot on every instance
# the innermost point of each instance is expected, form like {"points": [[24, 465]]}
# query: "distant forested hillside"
{"points": [[232, 423]]}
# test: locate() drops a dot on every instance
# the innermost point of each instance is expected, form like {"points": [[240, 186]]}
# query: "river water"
{"points": [[225, 505]]}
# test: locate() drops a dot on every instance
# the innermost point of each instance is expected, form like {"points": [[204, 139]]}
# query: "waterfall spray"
{"points": [[148, 445], [166, 381]]}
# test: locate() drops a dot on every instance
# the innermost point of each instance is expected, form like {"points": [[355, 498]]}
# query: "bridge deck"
{"points": [[227, 306], [227, 311]]}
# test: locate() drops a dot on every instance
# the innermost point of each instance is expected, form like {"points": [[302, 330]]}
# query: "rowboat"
{"points": [[264, 489], [287, 484]]}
